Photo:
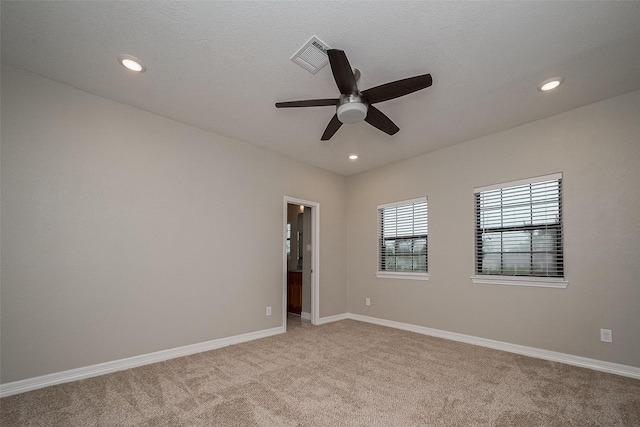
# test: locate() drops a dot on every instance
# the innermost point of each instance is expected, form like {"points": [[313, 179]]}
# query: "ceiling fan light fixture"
{"points": [[352, 112]]}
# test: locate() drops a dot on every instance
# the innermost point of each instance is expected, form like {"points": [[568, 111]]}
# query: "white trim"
{"points": [[401, 275], [305, 315], [541, 282], [569, 359], [519, 182], [29, 384], [336, 318], [315, 259], [285, 267], [315, 266]]}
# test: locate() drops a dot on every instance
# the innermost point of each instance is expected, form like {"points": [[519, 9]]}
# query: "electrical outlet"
{"points": [[367, 301], [268, 311], [605, 335]]}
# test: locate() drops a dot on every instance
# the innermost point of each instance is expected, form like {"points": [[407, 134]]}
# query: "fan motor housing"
{"points": [[351, 109]]}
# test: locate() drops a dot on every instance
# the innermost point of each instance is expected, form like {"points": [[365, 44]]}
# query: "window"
{"points": [[519, 233], [402, 240]]}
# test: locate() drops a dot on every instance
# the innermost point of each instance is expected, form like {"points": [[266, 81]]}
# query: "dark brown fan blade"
{"points": [[377, 119], [308, 103], [342, 72], [396, 89], [332, 128]]}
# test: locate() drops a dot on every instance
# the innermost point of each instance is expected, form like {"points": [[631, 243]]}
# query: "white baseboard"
{"points": [[335, 318], [305, 315], [29, 384], [22, 386], [569, 359]]}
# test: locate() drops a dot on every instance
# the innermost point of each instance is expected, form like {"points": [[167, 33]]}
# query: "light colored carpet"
{"points": [[345, 373]]}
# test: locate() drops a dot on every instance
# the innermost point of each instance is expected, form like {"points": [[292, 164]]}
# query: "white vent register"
{"points": [[312, 56]]}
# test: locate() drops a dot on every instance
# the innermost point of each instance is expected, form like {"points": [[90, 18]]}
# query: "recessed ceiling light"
{"points": [[132, 63], [353, 157], [550, 84]]}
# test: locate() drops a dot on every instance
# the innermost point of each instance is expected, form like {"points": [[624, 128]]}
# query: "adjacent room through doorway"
{"points": [[300, 257]]}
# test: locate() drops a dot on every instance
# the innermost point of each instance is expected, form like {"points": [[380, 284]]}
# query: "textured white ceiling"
{"points": [[221, 66]]}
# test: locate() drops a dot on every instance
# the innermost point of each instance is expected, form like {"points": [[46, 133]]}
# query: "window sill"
{"points": [[541, 282], [401, 275]]}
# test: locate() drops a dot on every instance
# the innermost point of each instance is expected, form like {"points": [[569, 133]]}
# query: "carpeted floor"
{"points": [[345, 373]]}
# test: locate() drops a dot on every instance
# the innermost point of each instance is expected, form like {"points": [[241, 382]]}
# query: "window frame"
{"points": [[520, 280], [399, 274]]}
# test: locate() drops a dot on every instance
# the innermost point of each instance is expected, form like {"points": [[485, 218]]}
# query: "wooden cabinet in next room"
{"points": [[294, 292]]}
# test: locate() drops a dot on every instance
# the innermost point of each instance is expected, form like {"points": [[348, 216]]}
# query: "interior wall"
{"points": [[597, 149], [125, 233]]}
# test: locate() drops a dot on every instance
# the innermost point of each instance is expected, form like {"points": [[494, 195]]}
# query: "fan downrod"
{"points": [[356, 74]]}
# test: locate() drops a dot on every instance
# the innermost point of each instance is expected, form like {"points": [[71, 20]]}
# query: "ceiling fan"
{"points": [[353, 106]]}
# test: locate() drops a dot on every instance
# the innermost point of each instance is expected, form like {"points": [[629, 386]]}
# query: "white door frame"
{"points": [[315, 258]]}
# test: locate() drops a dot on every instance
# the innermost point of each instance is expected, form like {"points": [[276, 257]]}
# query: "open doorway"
{"points": [[300, 278]]}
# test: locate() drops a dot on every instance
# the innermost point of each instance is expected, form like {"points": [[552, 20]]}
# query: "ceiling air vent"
{"points": [[312, 56]]}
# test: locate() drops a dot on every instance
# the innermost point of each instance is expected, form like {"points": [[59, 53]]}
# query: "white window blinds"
{"points": [[519, 228], [402, 236]]}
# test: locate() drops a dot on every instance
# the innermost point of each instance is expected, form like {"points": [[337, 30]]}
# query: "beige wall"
{"points": [[124, 233], [597, 148]]}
